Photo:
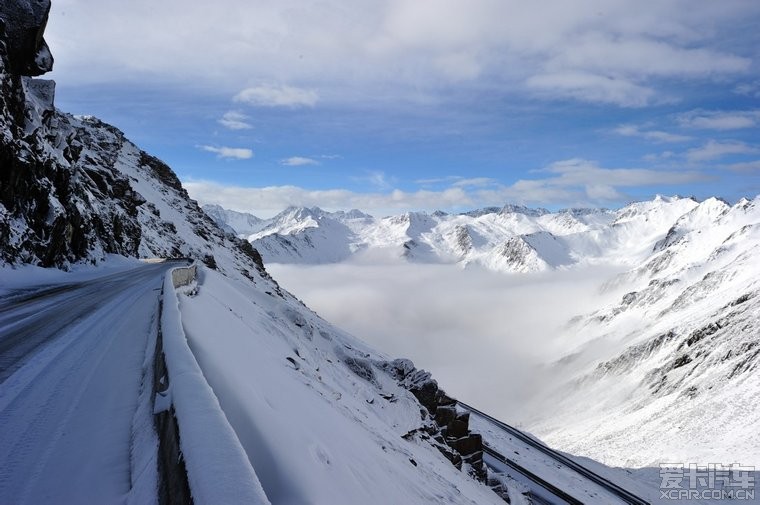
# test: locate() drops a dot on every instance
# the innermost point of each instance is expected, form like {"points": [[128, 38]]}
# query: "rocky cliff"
{"points": [[74, 189]]}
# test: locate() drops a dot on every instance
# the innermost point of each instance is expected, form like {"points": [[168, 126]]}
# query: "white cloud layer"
{"points": [[231, 153], [600, 51], [571, 182], [445, 319]]}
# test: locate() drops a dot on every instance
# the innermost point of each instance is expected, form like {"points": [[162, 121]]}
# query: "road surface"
{"points": [[71, 368]]}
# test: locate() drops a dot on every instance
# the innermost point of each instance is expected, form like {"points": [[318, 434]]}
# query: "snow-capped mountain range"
{"points": [[509, 239]]}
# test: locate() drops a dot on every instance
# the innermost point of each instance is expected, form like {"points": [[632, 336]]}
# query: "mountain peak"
{"points": [[510, 208]]}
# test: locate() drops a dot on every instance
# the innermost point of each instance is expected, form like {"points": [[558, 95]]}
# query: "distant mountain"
{"points": [[511, 238], [237, 223]]}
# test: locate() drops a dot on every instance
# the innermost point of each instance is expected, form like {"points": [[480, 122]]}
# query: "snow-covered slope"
{"points": [[322, 417], [674, 366], [237, 223], [510, 239]]}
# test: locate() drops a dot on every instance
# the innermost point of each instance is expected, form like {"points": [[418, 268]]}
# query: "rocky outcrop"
{"points": [[445, 428], [58, 202], [67, 184], [22, 25]]}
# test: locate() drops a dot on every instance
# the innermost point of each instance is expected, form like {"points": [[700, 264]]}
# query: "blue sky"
{"points": [[432, 104]]}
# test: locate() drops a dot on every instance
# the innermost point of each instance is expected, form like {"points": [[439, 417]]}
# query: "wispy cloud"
{"points": [[747, 166], [298, 161], [665, 155], [720, 120], [714, 149], [277, 96], [475, 182], [235, 120], [748, 89], [589, 87], [602, 184], [653, 135], [438, 180], [231, 153], [377, 179]]}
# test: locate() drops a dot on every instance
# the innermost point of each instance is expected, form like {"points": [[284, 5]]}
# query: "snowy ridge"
{"points": [[676, 360], [508, 239], [237, 223]]}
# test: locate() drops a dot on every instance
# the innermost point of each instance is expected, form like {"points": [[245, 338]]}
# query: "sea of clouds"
{"points": [[488, 338]]}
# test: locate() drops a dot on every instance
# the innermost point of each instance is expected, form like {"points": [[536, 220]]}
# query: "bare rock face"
{"points": [[23, 25]]}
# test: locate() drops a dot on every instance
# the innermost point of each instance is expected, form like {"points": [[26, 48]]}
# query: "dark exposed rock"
{"points": [[361, 367], [450, 454], [458, 427], [162, 172], [209, 261], [252, 253], [681, 361], [468, 444], [445, 415], [701, 333], [52, 210], [22, 25], [629, 298], [66, 183], [450, 430], [745, 297]]}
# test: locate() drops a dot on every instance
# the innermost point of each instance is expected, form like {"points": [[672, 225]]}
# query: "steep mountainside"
{"points": [[674, 365], [74, 189]]}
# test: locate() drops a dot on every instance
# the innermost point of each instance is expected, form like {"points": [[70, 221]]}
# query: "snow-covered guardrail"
{"points": [[218, 469], [182, 276]]}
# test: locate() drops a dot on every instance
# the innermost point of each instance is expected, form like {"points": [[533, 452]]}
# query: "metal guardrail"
{"points": [[559, 493], [610, 486]]}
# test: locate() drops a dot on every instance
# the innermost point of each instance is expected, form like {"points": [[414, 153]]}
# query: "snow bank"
{"points": [[218, 469]]}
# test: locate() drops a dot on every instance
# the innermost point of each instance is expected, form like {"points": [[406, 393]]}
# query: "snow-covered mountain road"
{"points": [[72, 363]]}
